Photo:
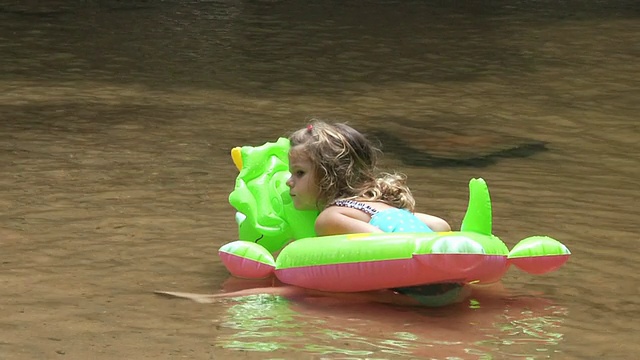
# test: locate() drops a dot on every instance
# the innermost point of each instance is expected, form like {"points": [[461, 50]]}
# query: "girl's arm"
{"points": [[337, 221], [435, 223]]}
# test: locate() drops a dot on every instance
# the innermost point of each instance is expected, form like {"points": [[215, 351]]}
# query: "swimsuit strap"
{"points": [[356, 205]]}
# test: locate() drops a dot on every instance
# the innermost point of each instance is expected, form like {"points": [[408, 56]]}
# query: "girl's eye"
{"points": [[299, 173]]}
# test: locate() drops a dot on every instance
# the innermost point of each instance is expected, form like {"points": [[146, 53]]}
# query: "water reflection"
{"points": [[490, 324]]}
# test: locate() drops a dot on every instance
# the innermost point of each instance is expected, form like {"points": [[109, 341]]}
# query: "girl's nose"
{"points": [[290, 182]]}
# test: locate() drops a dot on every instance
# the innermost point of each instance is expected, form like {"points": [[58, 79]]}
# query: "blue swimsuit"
{"points": [[402, 220]]}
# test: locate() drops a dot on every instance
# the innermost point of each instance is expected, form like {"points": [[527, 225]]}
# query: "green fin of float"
{"points": [[478, 216]]}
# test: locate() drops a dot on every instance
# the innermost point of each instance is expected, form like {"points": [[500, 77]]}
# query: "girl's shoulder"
{"points": [[343, 220], [379, 205], [335, 210], [362, 210]]}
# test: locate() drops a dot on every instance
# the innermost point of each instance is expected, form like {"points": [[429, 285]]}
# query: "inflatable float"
{"points": [[267, 222]]}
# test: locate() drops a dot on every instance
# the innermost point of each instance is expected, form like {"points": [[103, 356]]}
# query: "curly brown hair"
{"points": [[345, 164]]}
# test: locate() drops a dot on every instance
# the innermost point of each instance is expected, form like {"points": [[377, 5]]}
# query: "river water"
{"points": [[116, 121]]}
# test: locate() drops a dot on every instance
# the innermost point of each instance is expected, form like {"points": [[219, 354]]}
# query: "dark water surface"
{"points": [[116, 121]]}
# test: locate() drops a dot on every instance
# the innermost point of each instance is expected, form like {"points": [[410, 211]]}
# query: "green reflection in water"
{"points": [[267, 323], [474, 304], [261, 317], [397, 343], [405, 335]]}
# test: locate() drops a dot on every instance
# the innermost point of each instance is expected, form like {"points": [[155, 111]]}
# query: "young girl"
{"points": [[333, 170]]}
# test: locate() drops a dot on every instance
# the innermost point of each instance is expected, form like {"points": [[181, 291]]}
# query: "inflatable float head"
{"points": [[265, 212]]}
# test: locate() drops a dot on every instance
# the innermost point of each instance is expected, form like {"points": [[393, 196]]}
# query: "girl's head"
{"points": [[334, 161]]}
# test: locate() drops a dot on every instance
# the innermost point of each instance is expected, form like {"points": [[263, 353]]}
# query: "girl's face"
{"points": [[302, 183]]}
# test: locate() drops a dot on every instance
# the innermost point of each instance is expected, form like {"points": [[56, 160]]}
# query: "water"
{"points": [[116, 121]]}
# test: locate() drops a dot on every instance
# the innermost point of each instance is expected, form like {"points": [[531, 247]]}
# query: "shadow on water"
{"points": [[459, 150]]}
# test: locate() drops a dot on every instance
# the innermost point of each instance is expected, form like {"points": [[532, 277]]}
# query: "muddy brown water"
{"points": [[116, 121]]}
